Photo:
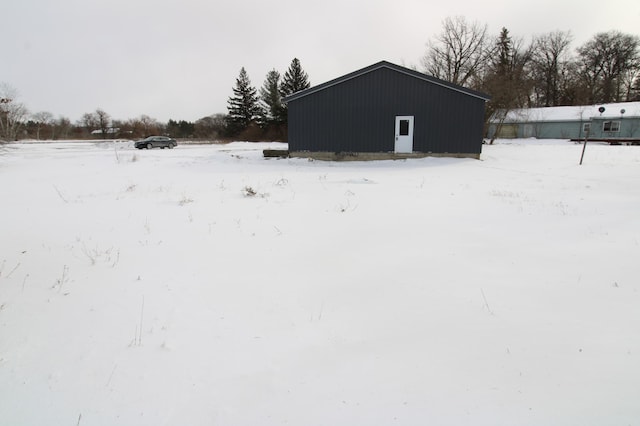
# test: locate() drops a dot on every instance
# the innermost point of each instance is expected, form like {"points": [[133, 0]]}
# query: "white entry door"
{"points": [[404, 134]]}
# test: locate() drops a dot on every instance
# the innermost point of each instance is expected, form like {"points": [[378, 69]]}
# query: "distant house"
{"points": [[385, 111], [111, 132], [608, 122]]}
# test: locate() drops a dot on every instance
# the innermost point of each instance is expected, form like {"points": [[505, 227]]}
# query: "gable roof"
{"points": [[570, 113], [394, 67]]}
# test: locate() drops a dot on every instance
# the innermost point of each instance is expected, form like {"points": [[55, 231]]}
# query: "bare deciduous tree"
{"points": [[141, 126], [98, 120], [62, 128], [604, 61], [104, 122], [89, 122], [549, 66], [459, 52], [210, 127], [150, 126], [42, 119], [630, 83], [12, 112]]}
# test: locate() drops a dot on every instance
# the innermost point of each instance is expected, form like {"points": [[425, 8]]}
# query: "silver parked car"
{"points": [[156, 141]]}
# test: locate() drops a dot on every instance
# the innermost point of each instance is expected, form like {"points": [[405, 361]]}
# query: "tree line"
{"points": [[17, 123], [546, 71], [252, 115]]}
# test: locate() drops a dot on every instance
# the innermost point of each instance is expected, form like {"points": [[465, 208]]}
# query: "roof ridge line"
{"points": [[392, 66]]}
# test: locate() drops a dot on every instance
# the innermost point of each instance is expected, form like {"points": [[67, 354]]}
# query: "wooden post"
{"points": [[583, 148]]}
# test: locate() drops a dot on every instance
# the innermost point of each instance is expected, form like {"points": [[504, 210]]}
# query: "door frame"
{"points": [[404, 143]]}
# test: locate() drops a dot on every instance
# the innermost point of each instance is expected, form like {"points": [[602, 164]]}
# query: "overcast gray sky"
{"points": [[179, 58]]}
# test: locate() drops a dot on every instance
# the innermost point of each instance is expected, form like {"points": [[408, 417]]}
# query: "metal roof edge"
{"points": [[586, 119], [572, 120], [394, 67], [579, 113]]}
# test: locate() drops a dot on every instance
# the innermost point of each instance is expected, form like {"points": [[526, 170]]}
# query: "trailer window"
{"points": [[611, 126]]}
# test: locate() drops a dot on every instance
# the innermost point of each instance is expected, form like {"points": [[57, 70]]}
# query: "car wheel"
{"points": [[171, 146], [149, 146]]}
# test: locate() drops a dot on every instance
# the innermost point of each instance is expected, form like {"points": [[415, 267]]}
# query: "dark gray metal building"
{"points": [[385, 111]]}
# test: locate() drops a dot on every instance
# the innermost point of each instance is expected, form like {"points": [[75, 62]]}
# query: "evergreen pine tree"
{"points": [[295, 80], [271, 99], [505, 53], [507, 79], [243, 106]]}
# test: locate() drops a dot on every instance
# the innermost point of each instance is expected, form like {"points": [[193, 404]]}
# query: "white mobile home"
{"points": [[607, 122]]}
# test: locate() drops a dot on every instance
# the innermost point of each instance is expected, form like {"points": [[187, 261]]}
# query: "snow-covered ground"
{"points": [[206, 285]]}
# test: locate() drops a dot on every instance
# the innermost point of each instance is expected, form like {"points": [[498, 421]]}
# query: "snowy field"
{"points": [[206, 285]]}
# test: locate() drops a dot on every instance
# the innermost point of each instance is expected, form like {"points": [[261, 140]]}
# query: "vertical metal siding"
{"points": [[358, 115]]}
